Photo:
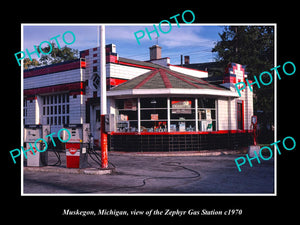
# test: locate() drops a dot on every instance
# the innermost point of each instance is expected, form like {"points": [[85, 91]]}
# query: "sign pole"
{"points": [[103, 106]]}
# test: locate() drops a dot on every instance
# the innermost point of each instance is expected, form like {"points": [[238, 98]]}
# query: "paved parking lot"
{"points": [[136, 174]]}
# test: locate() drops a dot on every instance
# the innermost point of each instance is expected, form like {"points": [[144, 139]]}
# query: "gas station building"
{"points": [[152, 105]]}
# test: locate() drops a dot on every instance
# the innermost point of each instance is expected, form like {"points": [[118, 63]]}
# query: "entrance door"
{"points": [[95, 124], [240, 116]]}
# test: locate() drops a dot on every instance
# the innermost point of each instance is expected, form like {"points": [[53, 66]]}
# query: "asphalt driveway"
{"points": [[136, 174]]}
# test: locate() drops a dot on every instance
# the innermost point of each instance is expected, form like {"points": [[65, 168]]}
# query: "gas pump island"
{"points": [[77, 147], [80, 144]]}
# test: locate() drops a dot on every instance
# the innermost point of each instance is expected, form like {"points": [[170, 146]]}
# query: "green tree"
{"points": [[252, 46], [30, 63], [56, 55]]}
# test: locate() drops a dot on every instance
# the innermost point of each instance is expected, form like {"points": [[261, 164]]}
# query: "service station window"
{"points": [[154, 115], [127, 117], [206, 114], [186, 114], [182, 114]]}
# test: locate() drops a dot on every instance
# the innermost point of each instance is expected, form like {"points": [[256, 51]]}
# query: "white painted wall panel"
{"points": [[222, 114], [124, 72], [64, 77]]}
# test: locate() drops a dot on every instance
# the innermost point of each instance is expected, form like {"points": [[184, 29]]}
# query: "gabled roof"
{"points": [[165, 81]]}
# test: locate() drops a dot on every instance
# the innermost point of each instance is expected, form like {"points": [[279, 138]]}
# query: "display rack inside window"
{"points": [[206, 114], [182, 115], [154, 115], [126, 119], [185, 114]]}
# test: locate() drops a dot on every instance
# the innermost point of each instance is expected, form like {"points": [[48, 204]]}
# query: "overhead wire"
{"points": [[197, 55]]}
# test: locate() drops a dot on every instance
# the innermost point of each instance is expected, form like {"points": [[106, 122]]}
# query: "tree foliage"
{"points": [[57, 55], [30, 63], [252, 46]]}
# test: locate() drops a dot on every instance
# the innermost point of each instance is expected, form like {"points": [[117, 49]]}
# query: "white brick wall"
{"points": [[232, 118], [77, 109], [77, 105], [222, 113], [248, 108], [32, 108], [124, 72], [192, 72], [227, 113], [247, 97], [64, 77], [112, 70], [228, 121]]}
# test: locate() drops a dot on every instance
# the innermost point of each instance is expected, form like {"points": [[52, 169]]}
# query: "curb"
{"points": [[186, 153], [88, 171]]}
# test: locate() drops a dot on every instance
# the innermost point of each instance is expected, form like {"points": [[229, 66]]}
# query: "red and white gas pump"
{"points": [[254, 149], [31, 134], [254, 128], [76, 147]]}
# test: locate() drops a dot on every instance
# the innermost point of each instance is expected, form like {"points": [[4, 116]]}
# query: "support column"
{"points": [[196, 113], [169, 115], [139, 114]]}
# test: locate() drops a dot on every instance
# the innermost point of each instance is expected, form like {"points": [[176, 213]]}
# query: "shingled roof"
{"points": [[161, 78]]}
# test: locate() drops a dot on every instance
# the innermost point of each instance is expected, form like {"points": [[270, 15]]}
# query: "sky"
{"points": [[195, 40]]}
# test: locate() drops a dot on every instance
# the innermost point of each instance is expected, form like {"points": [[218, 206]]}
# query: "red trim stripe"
{"points": [[182, 133], [115, 81], [165, 78], [52, 69], [77, 88], [152, 74], [135, 65]]}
